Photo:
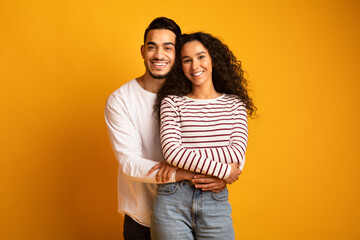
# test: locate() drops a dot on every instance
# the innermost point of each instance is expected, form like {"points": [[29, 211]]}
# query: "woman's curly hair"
{"points": [[227, 74]]}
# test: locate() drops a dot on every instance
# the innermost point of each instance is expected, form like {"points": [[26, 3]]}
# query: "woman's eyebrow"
{"points": [[199, 53]]}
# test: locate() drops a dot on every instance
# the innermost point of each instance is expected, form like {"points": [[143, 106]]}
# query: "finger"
{"points": [[164, 175], [211, 189], [159, 174], [197, 176], [205, 180], [169, 173], [217, 190], [214, 188], [207, 185], [169, 170], [157, 166]]}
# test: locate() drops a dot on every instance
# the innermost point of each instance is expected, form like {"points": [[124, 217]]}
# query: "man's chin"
{"points": [[158, 76]]}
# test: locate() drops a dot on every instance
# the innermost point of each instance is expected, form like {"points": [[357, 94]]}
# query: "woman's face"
{"points": [[196, 63]]}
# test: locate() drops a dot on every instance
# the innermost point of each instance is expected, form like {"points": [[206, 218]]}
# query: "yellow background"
{"points": [[59, 60]]}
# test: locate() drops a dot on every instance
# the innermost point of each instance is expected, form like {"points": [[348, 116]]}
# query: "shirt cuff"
{"points": [[227, 174], [172, 177]]}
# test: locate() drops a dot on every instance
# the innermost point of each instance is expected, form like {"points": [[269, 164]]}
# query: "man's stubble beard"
{"points": [[158, 76]]}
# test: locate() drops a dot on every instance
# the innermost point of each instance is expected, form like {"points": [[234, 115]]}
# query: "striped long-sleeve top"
{"points": [[204, 136]]}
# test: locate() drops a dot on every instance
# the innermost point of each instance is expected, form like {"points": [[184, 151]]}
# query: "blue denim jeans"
{"points": [[181, 211]]}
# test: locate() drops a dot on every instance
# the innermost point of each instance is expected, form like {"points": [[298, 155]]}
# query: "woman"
{"points": [[203, 116]]}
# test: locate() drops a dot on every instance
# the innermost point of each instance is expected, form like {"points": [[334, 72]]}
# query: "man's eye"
{"points": [[151, 47]]}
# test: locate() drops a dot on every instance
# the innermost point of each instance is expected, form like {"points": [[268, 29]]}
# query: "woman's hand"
{"points": [[234, 174], [164, 173]]}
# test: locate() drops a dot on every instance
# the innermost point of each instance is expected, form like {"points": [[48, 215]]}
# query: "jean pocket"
{"points": [[221, 196], [167, 188]]}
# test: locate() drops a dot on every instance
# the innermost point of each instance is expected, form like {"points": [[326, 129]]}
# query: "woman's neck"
{"points": [[200, 92]]}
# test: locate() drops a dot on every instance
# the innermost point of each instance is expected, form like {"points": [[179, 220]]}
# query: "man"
{"points": [[134, 133]]}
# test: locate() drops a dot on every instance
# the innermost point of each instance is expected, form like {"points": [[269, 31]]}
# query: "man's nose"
{"points": [[159, 53]]}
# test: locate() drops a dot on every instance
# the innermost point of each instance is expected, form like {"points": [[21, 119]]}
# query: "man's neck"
{"points": [[150, 84]]}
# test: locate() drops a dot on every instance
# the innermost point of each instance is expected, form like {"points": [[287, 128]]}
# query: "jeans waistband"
{"points": [[180, 183], [186, 182]]}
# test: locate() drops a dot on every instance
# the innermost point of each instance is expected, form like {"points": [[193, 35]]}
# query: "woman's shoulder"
{"points": [[233, 98], [174, 98]]}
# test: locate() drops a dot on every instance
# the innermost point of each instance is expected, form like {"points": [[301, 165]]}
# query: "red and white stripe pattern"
{"points": [[203, 136]]}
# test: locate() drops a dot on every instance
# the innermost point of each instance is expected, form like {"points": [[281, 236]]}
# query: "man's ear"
{"points": [[142, 49]]}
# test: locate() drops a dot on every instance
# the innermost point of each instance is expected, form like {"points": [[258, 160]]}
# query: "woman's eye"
{"points": [[201, 57]]}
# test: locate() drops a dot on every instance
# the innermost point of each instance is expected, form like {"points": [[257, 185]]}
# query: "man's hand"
{"points": [[182, 175], [164, 173], [208, 183], [234, 174]]}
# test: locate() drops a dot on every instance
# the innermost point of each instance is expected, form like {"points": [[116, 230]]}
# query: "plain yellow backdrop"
{"points": [[59, 61]]}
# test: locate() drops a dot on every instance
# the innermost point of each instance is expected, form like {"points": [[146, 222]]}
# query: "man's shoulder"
{"points": [[121, 96], [124, 90]]}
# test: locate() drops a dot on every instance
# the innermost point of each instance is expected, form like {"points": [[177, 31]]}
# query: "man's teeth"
{"points": [[197, 74], [160, 64]]}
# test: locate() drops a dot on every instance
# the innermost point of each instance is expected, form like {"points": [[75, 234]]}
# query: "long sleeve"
{"points": [[127, 143], [202, 159]]}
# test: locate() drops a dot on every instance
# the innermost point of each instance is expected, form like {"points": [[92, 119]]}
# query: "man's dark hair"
{"points": [[163, 23]]}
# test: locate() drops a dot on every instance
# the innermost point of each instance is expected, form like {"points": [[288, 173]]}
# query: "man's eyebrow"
{"points": [[199, 53], [169, 43], [165, 43]]}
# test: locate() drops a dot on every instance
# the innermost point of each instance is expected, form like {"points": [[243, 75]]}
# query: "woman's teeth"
{"points": [[198, 73]]}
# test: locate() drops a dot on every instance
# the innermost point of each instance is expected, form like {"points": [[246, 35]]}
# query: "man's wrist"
{"points": [[182, 174], [178, 175]]}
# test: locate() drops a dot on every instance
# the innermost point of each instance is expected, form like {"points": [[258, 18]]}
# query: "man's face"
{"points": [[159, 52]]}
